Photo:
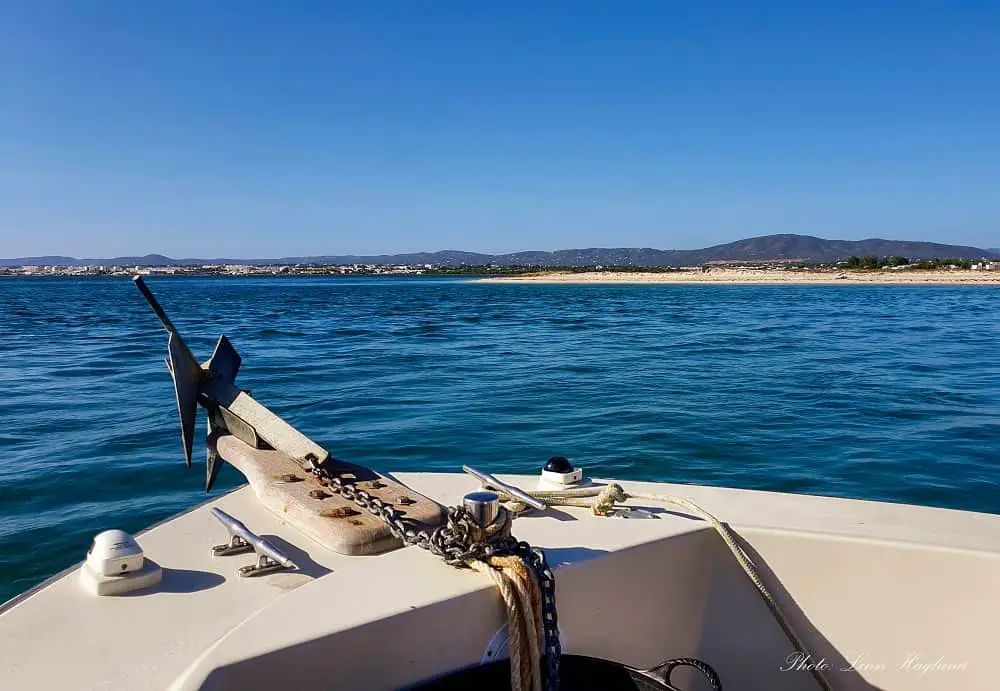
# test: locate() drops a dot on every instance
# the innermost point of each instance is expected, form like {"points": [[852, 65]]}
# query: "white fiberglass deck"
{"points": [[887, 596]]}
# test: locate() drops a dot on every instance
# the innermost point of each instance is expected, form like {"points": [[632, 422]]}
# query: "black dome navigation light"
{"points": [[559, 473]]}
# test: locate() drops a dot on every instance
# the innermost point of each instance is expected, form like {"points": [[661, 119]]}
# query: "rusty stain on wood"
{"points": [[339, 512]]}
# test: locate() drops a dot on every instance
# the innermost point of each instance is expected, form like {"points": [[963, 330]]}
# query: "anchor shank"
{"points": [[154, 303], [268, 426]]}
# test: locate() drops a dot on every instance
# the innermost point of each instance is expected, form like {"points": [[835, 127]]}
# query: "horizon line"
{"points": [[483, 253]]}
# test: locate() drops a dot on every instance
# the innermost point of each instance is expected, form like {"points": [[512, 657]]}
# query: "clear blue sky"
{"points": [[255, 129]]}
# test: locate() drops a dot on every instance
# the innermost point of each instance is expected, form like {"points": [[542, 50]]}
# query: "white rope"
{"points": [[602, 500]]}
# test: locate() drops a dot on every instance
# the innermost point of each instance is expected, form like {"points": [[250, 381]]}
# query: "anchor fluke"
{"points": [[187, 381], [184, 369], [225, 361], [212, 465]]}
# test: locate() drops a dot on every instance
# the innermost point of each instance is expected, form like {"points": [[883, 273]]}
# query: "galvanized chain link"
{"points": [[535, 558], [453, 541]]}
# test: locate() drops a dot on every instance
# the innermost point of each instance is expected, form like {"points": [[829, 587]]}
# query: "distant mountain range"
{"points": [[765, 248]]}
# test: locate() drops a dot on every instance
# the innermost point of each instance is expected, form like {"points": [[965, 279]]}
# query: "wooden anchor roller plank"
{"points": [[295, 495], [271, 454]]}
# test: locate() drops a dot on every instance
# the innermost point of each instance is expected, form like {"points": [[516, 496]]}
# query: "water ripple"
{"points": [[877, 392]]}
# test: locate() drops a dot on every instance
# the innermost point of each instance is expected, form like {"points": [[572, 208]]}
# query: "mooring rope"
{"points": [[522, 599], [602, 501], [521, 593]]}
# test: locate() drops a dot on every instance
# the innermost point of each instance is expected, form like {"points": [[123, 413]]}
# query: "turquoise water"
{"points": [[877, 392]]}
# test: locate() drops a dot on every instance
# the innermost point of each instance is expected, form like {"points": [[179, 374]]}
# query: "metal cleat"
{"points": [[490, 482], [237, 545], [264, 566], [241, 541]]}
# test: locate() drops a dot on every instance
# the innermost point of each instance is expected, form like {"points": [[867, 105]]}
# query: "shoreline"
{"points": [[761, 277]]}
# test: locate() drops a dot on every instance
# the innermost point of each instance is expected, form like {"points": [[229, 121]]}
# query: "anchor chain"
{"points": [[458, 541]]}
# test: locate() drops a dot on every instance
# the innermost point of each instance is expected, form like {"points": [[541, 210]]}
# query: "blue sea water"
{"points": [[877, 392]]}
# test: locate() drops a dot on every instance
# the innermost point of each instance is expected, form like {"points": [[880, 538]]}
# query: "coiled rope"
{"points": [[602, 501]]}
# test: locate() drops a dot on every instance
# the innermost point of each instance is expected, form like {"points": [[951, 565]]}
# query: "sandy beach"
{"points": [[763, 276]]}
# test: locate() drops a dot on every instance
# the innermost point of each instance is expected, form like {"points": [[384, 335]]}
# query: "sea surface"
{"points": [[876, 392]]}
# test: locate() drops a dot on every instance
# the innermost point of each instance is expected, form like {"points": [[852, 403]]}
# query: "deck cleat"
{"points": [[491, 483], [237, 545], [264, 566], [270, 558]]}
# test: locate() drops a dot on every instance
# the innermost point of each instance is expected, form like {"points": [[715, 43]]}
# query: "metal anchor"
{"points": [[230, 409]]}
